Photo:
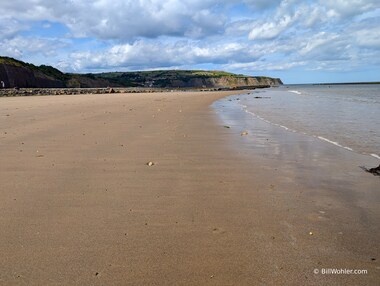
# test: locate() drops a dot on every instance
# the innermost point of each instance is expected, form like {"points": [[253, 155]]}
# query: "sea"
{"points": [[347, 116]]}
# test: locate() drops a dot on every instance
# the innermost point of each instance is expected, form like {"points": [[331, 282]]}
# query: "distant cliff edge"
{"points": [[15, 73]]}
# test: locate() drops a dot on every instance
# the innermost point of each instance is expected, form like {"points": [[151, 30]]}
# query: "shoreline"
{"points": [[337, 144], [81, 205], [352, 127], [17, 92]]}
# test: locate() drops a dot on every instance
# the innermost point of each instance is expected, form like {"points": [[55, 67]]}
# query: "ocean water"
{"points": [[347, 116]]}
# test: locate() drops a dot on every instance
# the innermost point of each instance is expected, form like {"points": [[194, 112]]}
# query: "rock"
{"points": [[150, 164], [244, 133], [111, 90], [225, 126], [375, 171]]}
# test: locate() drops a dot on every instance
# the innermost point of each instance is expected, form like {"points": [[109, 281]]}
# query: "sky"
{"points": [[298, 41]]}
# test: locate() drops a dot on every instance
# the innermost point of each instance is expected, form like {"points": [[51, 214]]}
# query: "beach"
{"points": [[219, 203]]}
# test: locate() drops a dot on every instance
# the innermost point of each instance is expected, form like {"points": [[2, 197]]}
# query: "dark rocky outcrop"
{"points": [[375, 171], [10, 92], [19, 76]]}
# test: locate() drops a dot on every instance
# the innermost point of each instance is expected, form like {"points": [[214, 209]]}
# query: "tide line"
{"points": [[295, 131]]}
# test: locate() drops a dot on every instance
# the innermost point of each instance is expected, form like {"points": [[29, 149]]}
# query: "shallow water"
{"points": [[347, 116]]}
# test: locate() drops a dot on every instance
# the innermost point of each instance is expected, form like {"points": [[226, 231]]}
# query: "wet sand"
{"points": [[80, 206]]}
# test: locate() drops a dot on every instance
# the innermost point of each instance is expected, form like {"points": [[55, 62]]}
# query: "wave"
{"points": [[295, 91], [333, 142], [244, 107], [376, 156], [267, 121]]}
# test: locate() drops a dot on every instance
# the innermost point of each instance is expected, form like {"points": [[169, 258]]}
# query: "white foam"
{"points": [[282, 126], [376, 156], [333, 142], [244, 107], [328, 140], [267, 121]]}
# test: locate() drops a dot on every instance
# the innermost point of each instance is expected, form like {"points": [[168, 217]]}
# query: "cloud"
{"points": [[369, 38], [9, 27], [94, 35], [123, 19], [326, 46], [288, 16], [264, 66], [20, 47], [144, 54], [150, 19], [366, 34], [270, 30], [262, 4], [349, 8]]}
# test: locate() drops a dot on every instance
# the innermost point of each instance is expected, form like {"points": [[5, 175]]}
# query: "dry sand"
{"points": [[80, 206]]}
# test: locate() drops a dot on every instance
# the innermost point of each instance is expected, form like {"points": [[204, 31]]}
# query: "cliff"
{"points": [[187, 79], [16, 73]]}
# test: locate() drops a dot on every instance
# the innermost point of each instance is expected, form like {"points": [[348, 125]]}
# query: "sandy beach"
{"points": [[80, 206]]}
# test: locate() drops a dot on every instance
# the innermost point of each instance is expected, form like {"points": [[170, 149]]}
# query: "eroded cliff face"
{"points": [[244, 81], [219, 82], [18, 76]]}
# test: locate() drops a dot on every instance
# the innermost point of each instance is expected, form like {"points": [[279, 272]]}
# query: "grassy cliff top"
{"points": [[13, 62], [169, 73]]}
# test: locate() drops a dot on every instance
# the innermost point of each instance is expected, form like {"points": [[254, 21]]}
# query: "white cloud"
{"points": [[123, 19], [264, 66], [152, 54], [320, 41], [9, 27], [151, 34], [349, 8], [21, 46], [366, 34], [270, 30], [262, 4], [369, 38]]}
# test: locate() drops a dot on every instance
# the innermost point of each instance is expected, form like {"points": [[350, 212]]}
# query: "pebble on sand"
{"points": [[244, 133], [150, 163]]}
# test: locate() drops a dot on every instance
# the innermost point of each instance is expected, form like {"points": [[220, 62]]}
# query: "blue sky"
{"points": [[298, 41]]}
